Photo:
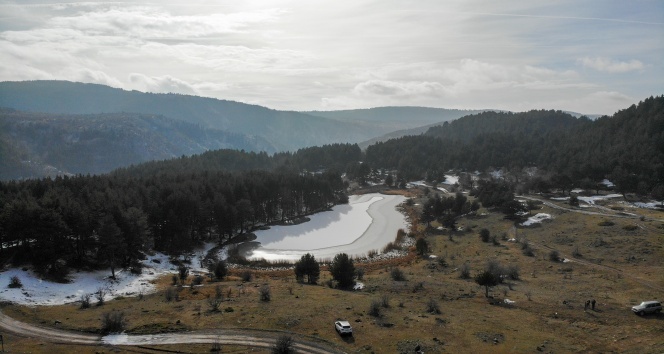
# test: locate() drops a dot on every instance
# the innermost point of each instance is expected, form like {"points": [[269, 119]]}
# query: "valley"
{"points": [[432, 306]]}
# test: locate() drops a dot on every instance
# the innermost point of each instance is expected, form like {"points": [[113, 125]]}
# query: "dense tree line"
{"points": [[627, 148], [447, 209], [110, 220], [333, 157]]}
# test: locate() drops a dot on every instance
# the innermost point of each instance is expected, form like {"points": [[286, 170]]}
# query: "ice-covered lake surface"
{"points": [[368, 222]]}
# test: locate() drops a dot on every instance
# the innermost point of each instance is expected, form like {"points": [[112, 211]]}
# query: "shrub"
{"points": [[15, 282], [391, 247], [574, 201], [264, 293], [576, 253], [496, 269], [606, 223], [630, 227], [432, 307], [385, 301], [359, 273], [554, 256], [464, 271], [99, 295], [372, 253], [85, 300], [216, 347], [198, 280], [513, 271], [419, 286], [397, 274], [215, 301], [219, 269], [247, 275], [283, 345], [113, 322], [374, 308], [169, 294], [528, 251], [485, 235], [422, 246], [183, 273]]}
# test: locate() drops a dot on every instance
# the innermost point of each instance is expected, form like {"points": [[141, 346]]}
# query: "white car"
{"points": [[343, 327], [647, 307]]}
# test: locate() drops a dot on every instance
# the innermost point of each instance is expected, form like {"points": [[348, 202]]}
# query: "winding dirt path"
{"points": [[246, 337]]}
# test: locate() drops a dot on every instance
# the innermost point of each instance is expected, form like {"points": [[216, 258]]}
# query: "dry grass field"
{"points": [[618, 265]]}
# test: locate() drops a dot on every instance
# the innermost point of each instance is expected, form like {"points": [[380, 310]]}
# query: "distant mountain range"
{"points": [[135, 127]]}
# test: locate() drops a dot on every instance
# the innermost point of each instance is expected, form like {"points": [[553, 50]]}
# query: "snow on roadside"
{"points": [[592, 199], [650, 205], [36, 291], [537, 219]]}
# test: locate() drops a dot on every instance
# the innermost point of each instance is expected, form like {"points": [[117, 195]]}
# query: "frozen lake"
{"points": [[368, 222]]}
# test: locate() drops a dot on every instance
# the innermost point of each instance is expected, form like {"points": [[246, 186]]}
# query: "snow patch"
{"points": [[36, 291], [592, 199], [451, 179], [537, 219]]}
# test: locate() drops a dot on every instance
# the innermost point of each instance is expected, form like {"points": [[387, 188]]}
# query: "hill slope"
{"points": [[396, 118], [40, 144], [283, 129]]}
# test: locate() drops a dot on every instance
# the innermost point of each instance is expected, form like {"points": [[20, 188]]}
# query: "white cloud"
{"points": [[345, 54], [403, 89], [151, 22], [92, 76], [160, 84], [611, 66]]}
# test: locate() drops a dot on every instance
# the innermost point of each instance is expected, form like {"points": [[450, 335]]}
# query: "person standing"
{"points": [[593, 304]]}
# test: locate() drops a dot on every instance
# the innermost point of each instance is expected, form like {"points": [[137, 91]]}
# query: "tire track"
{"points": [[246, 337]]}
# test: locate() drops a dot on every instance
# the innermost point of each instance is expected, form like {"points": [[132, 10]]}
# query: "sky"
{"points": [[591, 56]]}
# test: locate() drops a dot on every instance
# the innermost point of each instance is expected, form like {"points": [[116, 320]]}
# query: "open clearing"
{"points": [[613, 259]]}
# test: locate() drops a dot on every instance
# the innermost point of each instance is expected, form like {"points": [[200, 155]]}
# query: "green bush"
{"points": [[397, 274], [15, 282]]}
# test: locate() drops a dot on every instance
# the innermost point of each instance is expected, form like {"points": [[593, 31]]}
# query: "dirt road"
{"points": [[245, 337]]}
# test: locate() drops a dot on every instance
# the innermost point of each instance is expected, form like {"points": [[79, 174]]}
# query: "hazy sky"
{"points": [[588, 56]]}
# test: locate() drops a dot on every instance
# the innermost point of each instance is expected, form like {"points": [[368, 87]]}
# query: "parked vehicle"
{"points": [[647, 307], [343, 327]]}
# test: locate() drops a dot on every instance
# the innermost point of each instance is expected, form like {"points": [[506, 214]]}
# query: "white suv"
{"points": [[647, 307], [343, 327]]}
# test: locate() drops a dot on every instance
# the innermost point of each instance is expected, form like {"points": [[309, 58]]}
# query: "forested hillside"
{"points": [[35, 145], [396, 118], [627, 147], [285, 130], [92, 221]]}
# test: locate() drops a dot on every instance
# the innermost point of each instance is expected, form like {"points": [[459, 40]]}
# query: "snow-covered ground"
{"points": [[537, 219], [36, 291], [368, 222], [592, 199], [450, 179]]}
